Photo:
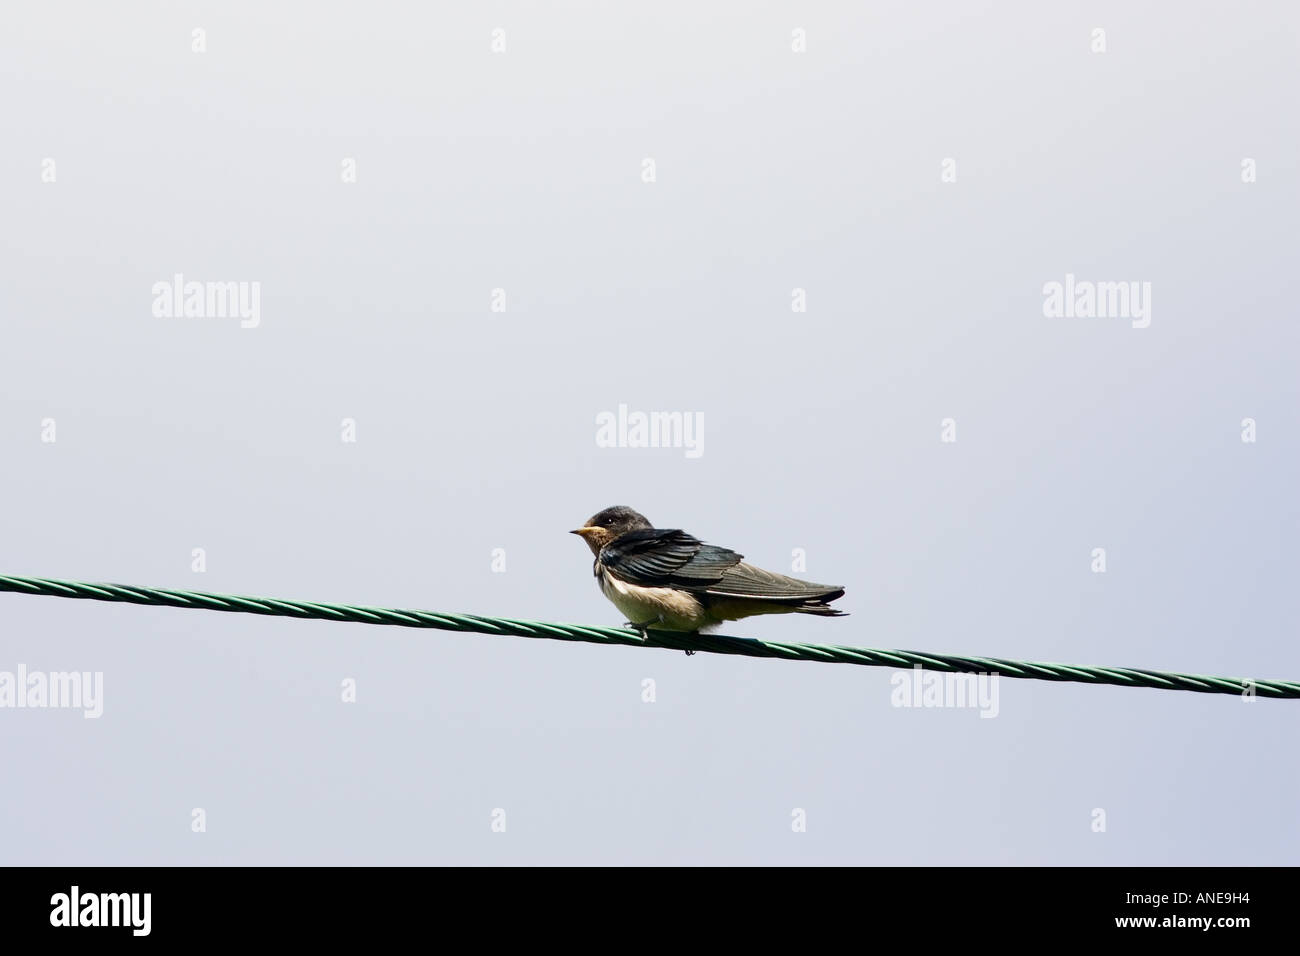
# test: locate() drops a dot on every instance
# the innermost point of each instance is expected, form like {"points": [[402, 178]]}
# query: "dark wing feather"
{"points": [[663, 557], [667, 557], [745, 580]]}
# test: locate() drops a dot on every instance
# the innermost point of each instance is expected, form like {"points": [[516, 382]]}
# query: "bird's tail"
{"points": [[820, 605], [821, 610]]}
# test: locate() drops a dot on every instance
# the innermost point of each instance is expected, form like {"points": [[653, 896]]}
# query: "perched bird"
{"points": [[665, 578]]}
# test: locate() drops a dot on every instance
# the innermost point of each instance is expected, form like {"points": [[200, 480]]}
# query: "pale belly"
{"points": [[656, 607]]}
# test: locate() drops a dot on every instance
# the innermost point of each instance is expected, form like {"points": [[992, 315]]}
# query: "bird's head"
{"points": [[607, 525]]}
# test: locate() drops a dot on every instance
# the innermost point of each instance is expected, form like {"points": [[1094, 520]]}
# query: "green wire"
{"points": [[711, 643]]}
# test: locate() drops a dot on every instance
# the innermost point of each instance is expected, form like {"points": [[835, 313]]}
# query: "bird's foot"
{"points": [[642, 629]]}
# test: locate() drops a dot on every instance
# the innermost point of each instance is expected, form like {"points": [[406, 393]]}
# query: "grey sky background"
{"points": [[476, 430]]}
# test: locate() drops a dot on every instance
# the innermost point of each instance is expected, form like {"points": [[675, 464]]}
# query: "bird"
{"points": [[665, 578]]}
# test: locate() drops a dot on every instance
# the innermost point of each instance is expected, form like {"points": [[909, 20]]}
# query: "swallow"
{"points": [[665, 578]]}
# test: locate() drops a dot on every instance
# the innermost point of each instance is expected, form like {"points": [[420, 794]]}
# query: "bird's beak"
{"points": [[583, 532]]}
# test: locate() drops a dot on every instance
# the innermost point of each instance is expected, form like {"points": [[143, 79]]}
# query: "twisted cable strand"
{"points": [[672, 640]]}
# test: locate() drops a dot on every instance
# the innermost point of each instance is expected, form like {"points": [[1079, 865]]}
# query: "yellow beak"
{"points": [[583, 532]]}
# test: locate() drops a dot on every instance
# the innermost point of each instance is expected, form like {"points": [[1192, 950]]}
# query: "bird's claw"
{"points": [[689, 652], [642, 629]]}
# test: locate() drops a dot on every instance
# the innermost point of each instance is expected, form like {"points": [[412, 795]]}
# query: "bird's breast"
{"points": [[657, 607]]}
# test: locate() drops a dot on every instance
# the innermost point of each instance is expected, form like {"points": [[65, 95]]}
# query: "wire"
{"points": [[711, 643]]}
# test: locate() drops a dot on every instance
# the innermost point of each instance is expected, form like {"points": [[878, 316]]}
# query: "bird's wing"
{"points": [[661, 557], [667, 557], [745, 580]]}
